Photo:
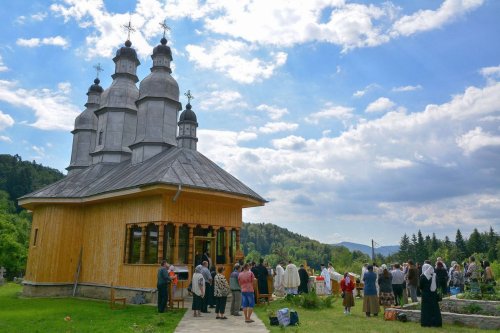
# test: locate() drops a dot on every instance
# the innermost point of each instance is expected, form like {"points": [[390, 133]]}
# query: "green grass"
{"points": [[19, 314], [333, 320]]}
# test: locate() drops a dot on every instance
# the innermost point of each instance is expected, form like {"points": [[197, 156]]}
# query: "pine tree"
{"points": [[447, 243], [492, 244], [461, 246], [475, 243], [421, 250], [404, 248], [413, 247], [434, 243]]}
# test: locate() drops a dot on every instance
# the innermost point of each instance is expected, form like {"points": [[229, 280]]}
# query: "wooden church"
{"points": [[137, 191]]}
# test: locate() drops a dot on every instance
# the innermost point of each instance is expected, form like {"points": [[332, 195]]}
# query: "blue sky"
{"points": [[356, 120]]}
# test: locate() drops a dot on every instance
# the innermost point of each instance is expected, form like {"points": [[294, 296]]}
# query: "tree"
{"points": [[461, 246], [475, 243], [434, 243], [492, 239], [421, 250], [413, 247], [404, 248]]}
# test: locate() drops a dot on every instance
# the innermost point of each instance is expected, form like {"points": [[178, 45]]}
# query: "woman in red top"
{"points": [[347, 285]]}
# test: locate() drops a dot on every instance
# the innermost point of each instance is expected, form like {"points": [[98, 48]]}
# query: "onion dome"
{"points": [[163, 48], [127, 51], [188, 114], [96, 87]]}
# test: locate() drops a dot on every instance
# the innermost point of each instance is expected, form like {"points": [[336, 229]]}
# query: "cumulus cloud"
{"points": [[380, 105], [5, 121], [274, 112], [330, 112], [273, 127], [233, 59], [394, 163], [5, 139], [291, 142], [222, 100], [477, 139], [53, 110], [36, 42], [407, 88], [424, 20]]}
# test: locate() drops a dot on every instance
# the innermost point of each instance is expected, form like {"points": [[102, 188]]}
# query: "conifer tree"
{"points": [[435, 243], [421, 250], [461, 246], [404, 248], [475, 243]]}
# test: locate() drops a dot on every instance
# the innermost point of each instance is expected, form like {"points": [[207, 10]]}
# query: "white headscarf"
{"points": [[428, 271]]}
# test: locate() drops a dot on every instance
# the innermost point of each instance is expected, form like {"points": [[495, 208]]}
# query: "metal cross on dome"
{"points": [[98, 69], [189, 96], [165, 27], [129, 27]]}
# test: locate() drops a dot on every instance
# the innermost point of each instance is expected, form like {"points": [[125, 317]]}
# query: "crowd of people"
{"points": [[382, 286]]}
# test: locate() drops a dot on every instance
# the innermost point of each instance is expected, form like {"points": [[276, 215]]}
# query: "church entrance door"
{"points": [[201, 245]]}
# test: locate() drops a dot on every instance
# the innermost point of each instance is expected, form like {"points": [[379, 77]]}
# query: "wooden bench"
{"points": [[113, 300], [179, 300]]}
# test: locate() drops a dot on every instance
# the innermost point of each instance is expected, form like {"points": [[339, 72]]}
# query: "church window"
{"points": [[99, 142], [221, 247], [135, 245], [232, 245], [151, 254], [183, 244], [168, 242], [35, 237]]}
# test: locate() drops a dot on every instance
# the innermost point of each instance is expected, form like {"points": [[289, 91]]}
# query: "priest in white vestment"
{"points": [[279, 280], [326, 275], [292, 279]]}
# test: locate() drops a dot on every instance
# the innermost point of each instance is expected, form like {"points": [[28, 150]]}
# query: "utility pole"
{"points": [[373, 251]]}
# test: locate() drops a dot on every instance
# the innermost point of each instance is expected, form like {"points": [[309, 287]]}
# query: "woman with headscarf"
{"points": [[370, 299], [430, 313], [198, 289], [386, 295], [347, 285]]}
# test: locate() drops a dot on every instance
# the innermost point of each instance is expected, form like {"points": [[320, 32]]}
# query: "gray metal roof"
{"points": [[174, 166]]}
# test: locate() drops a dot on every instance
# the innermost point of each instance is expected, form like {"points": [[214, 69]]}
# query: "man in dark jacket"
{"points": [[412, 278], [162, 285], [304, 280]]}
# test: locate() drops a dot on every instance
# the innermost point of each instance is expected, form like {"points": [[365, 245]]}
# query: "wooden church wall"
{"points": [[55, 256], [105, 229]]}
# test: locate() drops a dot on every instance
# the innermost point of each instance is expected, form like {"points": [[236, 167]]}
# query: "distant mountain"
{"points": [[383, 250]]}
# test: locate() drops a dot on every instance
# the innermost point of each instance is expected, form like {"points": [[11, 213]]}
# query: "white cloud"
{"points": [[36, 42], [233, 59], [407, 88], [331, 111], [38, 17], [222, 100], [274, 112], [3, 68], [53, 109], [488, 72], [64, 87], [477, 139], [365, 90], [380, 105], [5, 121], [291, 142], [394, 163], [5, 139], [308, 176], [425, 20], [273, 127]]}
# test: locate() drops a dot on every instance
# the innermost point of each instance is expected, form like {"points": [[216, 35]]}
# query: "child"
{"points": [[347, 285], [173, 278]]}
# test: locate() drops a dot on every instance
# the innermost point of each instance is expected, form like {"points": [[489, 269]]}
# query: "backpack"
{"points": [[294, 318], [284, 317], [390, 315]]}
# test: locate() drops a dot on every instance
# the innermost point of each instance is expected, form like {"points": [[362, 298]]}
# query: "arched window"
{"points": [[168, 243], [151, 254], [134, 256], [183, 244], [232, 246]]}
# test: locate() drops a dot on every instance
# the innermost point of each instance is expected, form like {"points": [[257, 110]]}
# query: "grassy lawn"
{"points": [[18, 314], [334, 320]]}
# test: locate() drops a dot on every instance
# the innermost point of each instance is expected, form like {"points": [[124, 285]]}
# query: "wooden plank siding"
{"points": [[100, 230]]}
